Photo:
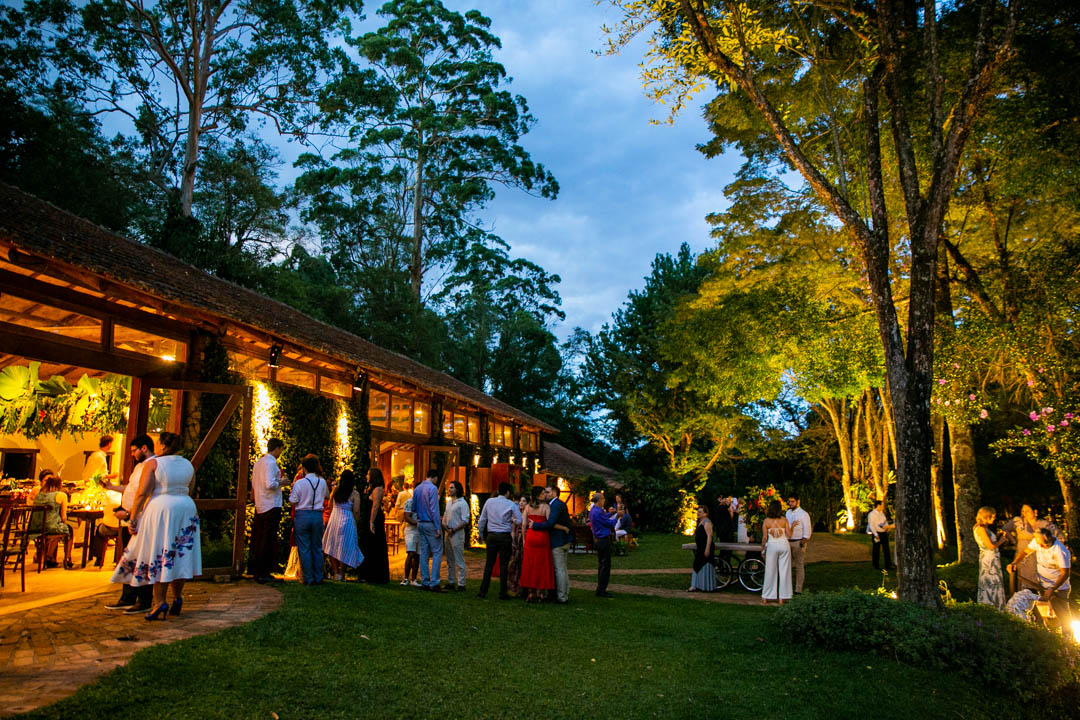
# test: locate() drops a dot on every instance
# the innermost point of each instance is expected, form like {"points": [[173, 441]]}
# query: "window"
{"points": [[421, 418], [378, 404], [448, 424], [474, 429], [401, 414], [49, 319], [248, 366], [335, 387], [528, 441], [502, 434], [145, 343], [292, 376], [457, 426]]}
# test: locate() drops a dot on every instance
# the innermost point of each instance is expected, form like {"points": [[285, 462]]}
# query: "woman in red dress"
{"points": [[537, 568]]}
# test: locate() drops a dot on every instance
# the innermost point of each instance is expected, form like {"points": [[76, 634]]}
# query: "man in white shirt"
{"points": [[1053, 563], [402, 498], [266, 487], [98, 462], [878, 526], [133, 600], [799, 521], [455, 524], [495, 527]]}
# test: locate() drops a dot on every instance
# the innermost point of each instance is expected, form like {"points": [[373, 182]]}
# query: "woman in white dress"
{"points": [[165, 548], [775, 532], [339, 538], [991, 585]]}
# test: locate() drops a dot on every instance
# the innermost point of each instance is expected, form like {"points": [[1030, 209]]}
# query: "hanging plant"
{"points": [[53, 407]]}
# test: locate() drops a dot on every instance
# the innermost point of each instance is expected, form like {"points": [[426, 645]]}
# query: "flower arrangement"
{"points": [[753, 506]]}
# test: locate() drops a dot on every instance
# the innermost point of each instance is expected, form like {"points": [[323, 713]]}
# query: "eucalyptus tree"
{"points": [[182, 71], [888, 55], [431, 126]]}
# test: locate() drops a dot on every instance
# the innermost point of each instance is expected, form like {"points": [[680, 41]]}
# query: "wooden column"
{"points": [[138, 412], [240, 521]]}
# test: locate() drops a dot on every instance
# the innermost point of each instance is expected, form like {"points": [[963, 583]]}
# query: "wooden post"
{"points": [[240, 522], [138, 412]]}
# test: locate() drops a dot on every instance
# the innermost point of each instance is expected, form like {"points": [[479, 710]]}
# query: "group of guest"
{"points": [[1040, 568]]}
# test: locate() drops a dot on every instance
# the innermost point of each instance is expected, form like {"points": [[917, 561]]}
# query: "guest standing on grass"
{"points": [[498, 519], [878, 527], [775, 532], [376, 566], [537, 570], [602, 524], [428, 525], [309, 493], [991, 587], [455, 523], [704, 576], [266, 486], [166, 549], [558, 524], [801, 529], [412, 554], [339, 538]]}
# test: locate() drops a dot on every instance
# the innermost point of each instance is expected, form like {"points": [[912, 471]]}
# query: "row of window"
{"points": [[399, 413]]}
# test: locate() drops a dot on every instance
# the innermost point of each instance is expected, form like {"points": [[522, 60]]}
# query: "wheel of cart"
{"points": [[752, 572], [724, 574]]}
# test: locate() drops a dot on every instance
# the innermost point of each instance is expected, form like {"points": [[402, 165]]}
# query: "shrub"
{"points": [[977, 641]]}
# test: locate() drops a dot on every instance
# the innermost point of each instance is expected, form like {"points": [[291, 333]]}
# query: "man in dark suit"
{"points": [[558, 525]]}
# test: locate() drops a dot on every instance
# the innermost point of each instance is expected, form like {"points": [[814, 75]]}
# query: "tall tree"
{"points": [[430, 126], [185, 71], [892, 56]]}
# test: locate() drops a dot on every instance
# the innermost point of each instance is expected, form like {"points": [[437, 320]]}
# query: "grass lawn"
{"points": [[456, 656]]}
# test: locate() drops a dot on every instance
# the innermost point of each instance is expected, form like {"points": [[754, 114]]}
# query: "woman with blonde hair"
{"points": [[991, 587]]}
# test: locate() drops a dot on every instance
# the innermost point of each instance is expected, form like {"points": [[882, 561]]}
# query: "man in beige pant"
{"points": [[801, 529]]}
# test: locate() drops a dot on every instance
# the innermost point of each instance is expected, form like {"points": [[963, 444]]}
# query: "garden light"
{"points": [[1076, 630]]}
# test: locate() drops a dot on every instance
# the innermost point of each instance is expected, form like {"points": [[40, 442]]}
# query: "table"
{"points": [[89, 517]]}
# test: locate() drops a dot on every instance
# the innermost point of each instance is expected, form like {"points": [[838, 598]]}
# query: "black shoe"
{"points": [[120, 605], [437, 589], [481, 596], [137, 610], [604, 594]]}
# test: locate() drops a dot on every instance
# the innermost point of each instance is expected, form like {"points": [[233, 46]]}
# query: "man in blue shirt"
{"points": [[429, 531], [495, 528], [603, 526], [558, 524]]}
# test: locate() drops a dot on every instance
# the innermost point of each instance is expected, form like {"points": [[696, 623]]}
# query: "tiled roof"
{"points": [[564, 462], [42, 229]]}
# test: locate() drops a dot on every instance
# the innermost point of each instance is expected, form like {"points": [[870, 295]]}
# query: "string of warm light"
{"points": [[474, 509], [262, 412], [343, 447]]}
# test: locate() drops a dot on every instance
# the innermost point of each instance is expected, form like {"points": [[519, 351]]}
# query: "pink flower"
{"points": [[1064, 423], [1031, 383], [1027, 432], [1034, 415], [941, 381], [1068, 416], [1049, 428], [1042, 370], [956, 365], [937, 400], [946, 403], [983, 414], [971, 397]]}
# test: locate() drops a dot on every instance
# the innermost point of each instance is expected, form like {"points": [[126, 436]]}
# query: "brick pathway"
{"points": [[49, 652]]}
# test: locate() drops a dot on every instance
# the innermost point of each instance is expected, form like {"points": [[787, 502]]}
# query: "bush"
{"points": [[981, 643]]}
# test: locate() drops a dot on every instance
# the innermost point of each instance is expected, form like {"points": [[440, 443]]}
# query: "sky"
{"points": [[629, 189]]}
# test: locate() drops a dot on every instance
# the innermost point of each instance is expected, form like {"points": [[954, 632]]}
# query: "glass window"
{"points": [[474, 429], [401, 414], [335, 387], [292, 376], [49, 319], [459, 427], [448, 424], [248, 366], [145, 343], [501, 434], [378, 403], [421, 418]]}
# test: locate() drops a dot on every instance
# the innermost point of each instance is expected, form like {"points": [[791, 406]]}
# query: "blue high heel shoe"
{"points": [[162, 610], [177, 606]]}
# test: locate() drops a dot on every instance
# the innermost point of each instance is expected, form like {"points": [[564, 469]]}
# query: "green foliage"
{"points": [[653, 499], [755, 504], [53, 408], [985, 646], [307, 422]]}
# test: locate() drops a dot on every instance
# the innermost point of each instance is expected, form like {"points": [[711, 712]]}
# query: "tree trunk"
{"points": [[937, 478], [1068, 493], [417, 269], [837, 413], [965, 490]]}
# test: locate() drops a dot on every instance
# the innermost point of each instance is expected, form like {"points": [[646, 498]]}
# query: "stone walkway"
{"points": [[47, 653]]}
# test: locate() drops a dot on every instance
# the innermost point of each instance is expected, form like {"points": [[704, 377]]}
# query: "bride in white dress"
{"points": [[775, 532], [165, 547]]}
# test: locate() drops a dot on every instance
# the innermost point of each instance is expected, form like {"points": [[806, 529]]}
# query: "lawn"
{"points": [[346, 651]]}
